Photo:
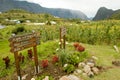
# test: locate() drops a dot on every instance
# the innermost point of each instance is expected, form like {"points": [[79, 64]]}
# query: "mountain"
{"points": [[6, 5], [115, 15], [103, 13]]}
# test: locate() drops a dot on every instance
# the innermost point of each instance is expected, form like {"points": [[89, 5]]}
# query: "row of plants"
{"points": [[102, 32], [91, 33]]}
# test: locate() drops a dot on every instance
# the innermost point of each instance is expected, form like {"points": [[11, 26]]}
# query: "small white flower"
{"points": [[59, 42], [57, 49], [65, 65], [67, 43]]}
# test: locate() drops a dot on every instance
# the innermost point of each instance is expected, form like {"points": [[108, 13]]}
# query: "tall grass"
{"points": [[101, 32]]}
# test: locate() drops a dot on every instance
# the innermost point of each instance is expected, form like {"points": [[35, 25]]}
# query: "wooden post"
{"points": [[64, 42], [60, 38], [17, 65], [36, 60]]}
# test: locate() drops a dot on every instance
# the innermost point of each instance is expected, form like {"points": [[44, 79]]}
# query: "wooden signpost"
{"points": [[18, 43], [62, 37]]}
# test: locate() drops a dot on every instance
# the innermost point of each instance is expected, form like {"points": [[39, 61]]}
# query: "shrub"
{"points": [[63, 57], [76, 44], [82, 55], [55, 59], [18, 29], [69, 68], [78, 47], [44, 63], [73, 59]]}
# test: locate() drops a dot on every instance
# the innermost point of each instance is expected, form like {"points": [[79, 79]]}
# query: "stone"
{"points": [[90, 64], [82, 64], [78, 71], [84, 74], [87, 69], [116, 48], [94, 57], [46, 78], [32, 78], [24, 77], [90, 74], [64, 78], [95, 70], [73, 77]]}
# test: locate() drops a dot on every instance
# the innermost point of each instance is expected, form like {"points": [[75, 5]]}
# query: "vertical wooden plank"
{"points": [[17, 65], [61, 38], [36, 60], [64, 41]]}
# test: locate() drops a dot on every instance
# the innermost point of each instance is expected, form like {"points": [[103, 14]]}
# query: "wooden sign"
{"points": [[18, 43], [63, 31], [62, 37]]}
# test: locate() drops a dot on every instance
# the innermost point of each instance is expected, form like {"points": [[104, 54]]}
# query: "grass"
{"points": [[105, 54]]}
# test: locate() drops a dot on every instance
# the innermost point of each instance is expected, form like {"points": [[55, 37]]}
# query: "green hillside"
{"points": [[6, 5], [115, 15], [23, 16]]}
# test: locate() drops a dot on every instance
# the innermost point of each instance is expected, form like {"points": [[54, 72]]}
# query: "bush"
{"points": [[63, 57], [44, 63], [55, 59], [18, 30], [73, 59], [77, 57], [69, 68]]}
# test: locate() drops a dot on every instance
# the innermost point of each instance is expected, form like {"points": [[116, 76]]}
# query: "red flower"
{"points": [[55, 59], [80, 48], [76, 44], [44, 63]]}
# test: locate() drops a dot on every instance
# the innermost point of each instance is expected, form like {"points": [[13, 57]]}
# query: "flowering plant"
{"points": [[78, 47], [55, 59], [44, 63]]}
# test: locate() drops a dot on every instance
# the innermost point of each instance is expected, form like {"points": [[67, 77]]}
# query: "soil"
{"points": [[52, 70]]}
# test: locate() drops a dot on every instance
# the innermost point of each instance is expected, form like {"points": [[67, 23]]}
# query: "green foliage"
{"points": [[47, 49], [69, 68], [77, 57], [73, 59], [63, 57], [115, 15], [18, 30]]}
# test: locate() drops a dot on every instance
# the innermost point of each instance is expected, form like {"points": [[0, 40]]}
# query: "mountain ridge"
{"points": [[103, 13], [6, 5]]}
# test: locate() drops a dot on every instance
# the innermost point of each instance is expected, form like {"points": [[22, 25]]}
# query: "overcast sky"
{"points": [[89, 7]]}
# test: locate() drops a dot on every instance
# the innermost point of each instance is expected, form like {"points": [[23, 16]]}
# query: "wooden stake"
{"points": [[60, 38], [36, 59], [64, 43], [17, 65]]}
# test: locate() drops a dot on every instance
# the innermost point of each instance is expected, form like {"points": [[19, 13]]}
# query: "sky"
{"points": [[89, 7]]}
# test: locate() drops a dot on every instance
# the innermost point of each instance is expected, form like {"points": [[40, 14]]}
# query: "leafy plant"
{"points": [[69, 68], [73, 59], [63, 57], [18, 29]]}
